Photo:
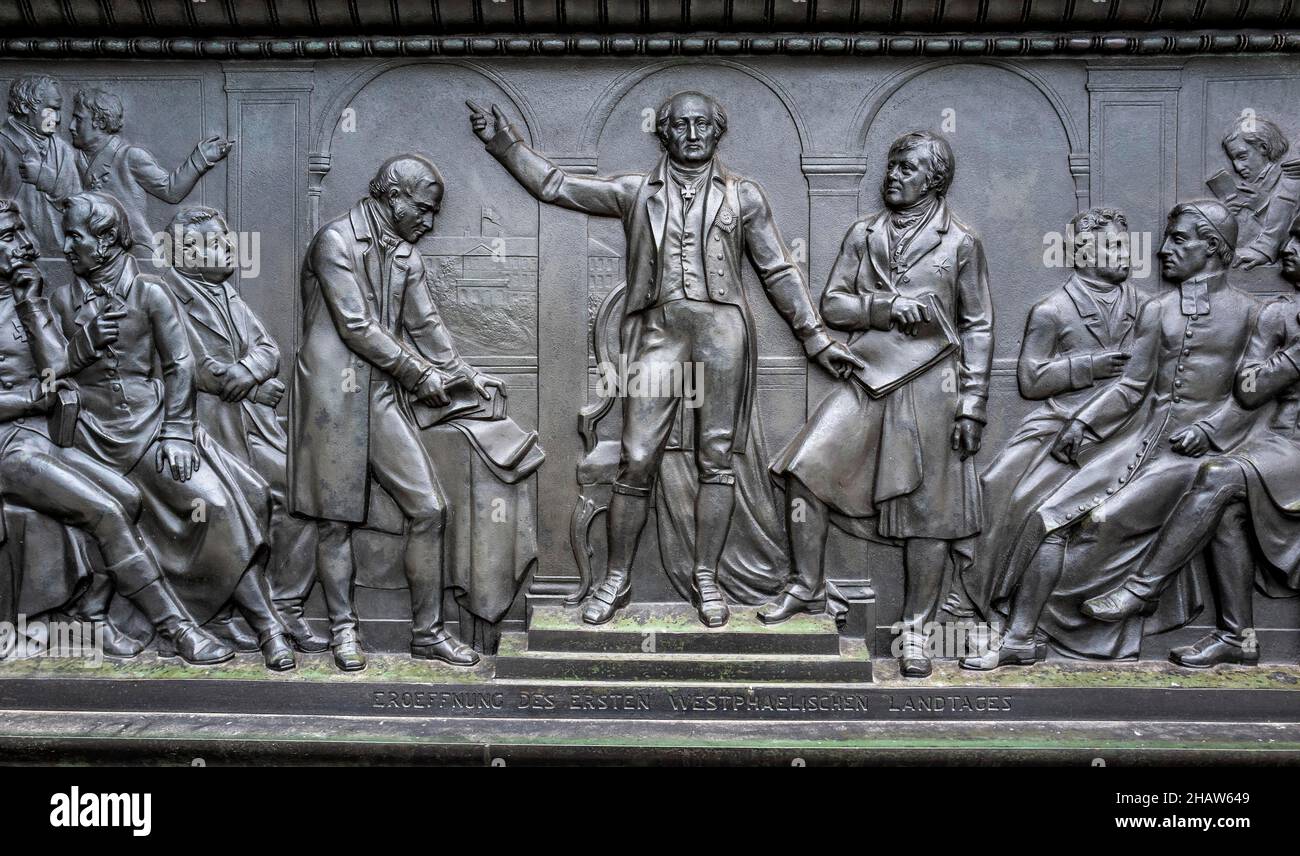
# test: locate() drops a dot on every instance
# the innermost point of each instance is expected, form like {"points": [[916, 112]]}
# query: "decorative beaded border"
{"points": [[1210, 42]]}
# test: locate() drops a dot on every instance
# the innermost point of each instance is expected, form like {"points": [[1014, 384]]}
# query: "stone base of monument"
{"points": [[667, 642], [400, 710]]}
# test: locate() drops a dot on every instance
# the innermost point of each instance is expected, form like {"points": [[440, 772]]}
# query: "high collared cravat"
{"points": [[1260, 188], [1107, 299], [688, 181], [903, 226]]}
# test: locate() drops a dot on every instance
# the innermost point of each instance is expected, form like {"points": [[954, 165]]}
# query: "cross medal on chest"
{"points": [[688, 191]]}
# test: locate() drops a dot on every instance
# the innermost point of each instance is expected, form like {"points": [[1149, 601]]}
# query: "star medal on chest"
{"points": [[942, 265]]}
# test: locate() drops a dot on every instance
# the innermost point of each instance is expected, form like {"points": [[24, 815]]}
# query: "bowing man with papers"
{"points": [[892, 448]]}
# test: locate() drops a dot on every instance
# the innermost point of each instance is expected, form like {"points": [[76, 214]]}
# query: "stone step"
{"points": [[675, 628], [851, 663]]}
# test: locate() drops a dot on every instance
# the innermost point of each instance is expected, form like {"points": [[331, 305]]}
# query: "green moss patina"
{"points": [[1068, 674], [248, 667], [675, 618]]}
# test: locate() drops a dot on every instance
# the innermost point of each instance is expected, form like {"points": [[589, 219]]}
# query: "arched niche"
{"points": [[1013, 140], [482, 253], [764, 141]]}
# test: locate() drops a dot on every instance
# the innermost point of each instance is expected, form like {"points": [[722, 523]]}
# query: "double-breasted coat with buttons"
{"points": [[1181, 374], [738, 222], [47, 562], [138, 391], [892, 457]]}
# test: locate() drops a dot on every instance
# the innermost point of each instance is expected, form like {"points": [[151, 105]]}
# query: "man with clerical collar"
{"points": [[205, 512], [1246, 497], [898, 466], [689, 224], [237, 364], [38, 169], [62, 482], [1267, 192], [373, 345], [1140, 442], [1077, 340], [110, 164]]}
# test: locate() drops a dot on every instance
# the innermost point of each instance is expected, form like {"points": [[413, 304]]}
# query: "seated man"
{"points": [[64, 483], [1172, 405], [1252, 490], [236, 363], [1077, 340], [205, 512]]}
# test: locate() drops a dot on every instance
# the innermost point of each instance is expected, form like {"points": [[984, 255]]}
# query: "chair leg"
{"points": [[585, 512]]}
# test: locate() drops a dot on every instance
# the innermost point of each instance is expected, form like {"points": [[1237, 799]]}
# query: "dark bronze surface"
{"points": [[826, 347]]}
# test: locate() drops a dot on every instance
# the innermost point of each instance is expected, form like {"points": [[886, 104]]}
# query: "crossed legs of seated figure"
{"points": [[256, 599], [1212, 517], [93, 606], [250, 599], [250, 595], [77, 491]]}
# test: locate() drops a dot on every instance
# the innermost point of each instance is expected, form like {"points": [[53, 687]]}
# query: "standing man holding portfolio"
{"points": [[895, 447]]}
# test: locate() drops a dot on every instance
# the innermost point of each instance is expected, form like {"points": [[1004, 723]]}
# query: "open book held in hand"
{"points": [[893, 358], [465, 403], [1222, 185]]}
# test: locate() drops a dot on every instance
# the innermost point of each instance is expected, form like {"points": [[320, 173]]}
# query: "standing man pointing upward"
{"points": [[689, 223]]}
